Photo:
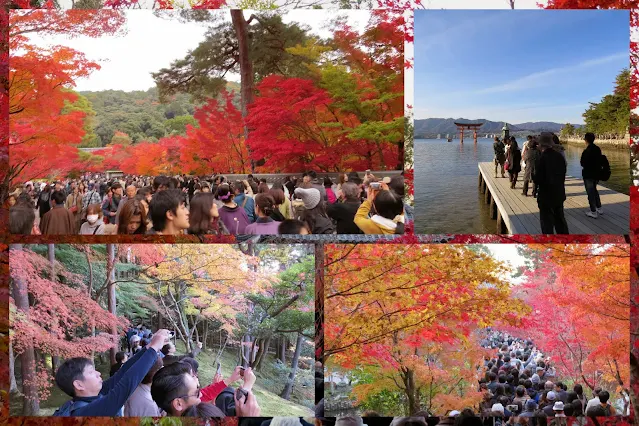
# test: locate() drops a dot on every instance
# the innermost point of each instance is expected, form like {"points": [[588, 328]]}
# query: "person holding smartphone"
{"points": [[211, 392]]}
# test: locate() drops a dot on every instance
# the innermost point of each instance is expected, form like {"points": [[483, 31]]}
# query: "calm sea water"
{"points": [[446, 195]]}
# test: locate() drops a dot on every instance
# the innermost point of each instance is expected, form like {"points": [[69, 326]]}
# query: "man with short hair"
{"points": [[343, 213], [550, 175], [131, 190], [91, 397], [500, 155], [595, 400], [58, 220], [591, 167], [169, 213], [604, 396], [175, 388]]}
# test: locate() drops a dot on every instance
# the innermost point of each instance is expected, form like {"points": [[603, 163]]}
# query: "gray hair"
{"points": [[350, 190]]}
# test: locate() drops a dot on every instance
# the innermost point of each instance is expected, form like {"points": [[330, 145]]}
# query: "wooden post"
{"points": [[461, 135], [487, 196], [500, 222], [479, 180], [493, 209]]}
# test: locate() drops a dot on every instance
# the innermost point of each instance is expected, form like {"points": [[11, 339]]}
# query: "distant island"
{"points": [[429, 128]]}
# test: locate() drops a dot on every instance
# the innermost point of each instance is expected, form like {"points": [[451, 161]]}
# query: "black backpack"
{"points": [[604, 172], [225, 401]]}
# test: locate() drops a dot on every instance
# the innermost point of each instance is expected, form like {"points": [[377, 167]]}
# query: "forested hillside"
{"points": [[139, 114]]}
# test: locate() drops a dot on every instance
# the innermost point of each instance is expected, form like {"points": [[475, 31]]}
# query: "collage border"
{"points": [[319, 241]]}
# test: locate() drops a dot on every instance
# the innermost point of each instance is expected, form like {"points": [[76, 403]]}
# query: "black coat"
{"points": [[591, 162], [344, 215], [550, 175], [514, 161]]}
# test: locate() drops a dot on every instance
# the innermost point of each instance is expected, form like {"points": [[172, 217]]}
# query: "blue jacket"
{"points": [[249, 207], [115, 391]]}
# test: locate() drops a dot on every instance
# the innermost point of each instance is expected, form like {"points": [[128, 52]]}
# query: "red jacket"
{"points": [[211, 392]]}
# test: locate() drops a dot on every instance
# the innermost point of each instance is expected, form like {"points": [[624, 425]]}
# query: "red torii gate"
{"points": [[462, 127]]}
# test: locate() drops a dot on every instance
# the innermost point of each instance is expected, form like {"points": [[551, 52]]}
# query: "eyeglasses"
{"points": [[197, 394]]}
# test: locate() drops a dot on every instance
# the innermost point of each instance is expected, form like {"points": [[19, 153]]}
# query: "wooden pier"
{"points": [[517, 214]]}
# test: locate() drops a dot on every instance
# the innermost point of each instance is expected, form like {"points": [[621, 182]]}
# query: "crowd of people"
{"points": [[543, 160], [519, 381], [150, 380], [164, 205]]}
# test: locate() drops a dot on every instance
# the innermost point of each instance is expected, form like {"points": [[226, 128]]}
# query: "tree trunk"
{"points": [[206, 334], [319, 302], [246, 69], [55, 361], [13, 386], [31, 403], [288, 389], [111, 296], [283, 349], [411, 392], [261, 352]]}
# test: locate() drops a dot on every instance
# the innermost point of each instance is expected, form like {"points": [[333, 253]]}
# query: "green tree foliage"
{"points": [[567, 131], [202, 72], [139, 114], [611, 115], [177, 125], [90, 139]]}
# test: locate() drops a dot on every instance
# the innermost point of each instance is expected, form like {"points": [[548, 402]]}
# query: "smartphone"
{"points": [[219, 369], [172, 334], [241, 394], [368, 172], [512, 408], [376, 185], [242, 371]]}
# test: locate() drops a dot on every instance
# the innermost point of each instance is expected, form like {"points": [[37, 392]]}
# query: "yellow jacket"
{"points": [[366, 224]]}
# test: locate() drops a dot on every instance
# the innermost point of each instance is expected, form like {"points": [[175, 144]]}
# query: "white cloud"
{"points": [[152, 43], [542, 78]]}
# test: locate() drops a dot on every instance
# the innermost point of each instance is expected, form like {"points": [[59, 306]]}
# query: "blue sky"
{"points": [[516, 66]]}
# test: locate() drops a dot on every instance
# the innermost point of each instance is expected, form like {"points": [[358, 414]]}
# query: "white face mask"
{"points": [[92, 218]]}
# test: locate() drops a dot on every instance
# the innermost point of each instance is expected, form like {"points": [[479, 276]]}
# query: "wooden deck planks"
{"points": [[521, 214]]}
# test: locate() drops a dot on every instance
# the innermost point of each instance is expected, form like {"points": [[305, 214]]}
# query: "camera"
{"points": [[514, 408], [376, 185], [242, 371]]}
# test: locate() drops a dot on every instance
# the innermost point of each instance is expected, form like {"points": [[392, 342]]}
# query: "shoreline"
{"points": [[609, 143]]}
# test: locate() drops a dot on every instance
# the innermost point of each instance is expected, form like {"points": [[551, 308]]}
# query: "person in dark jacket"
{"points": [[550, 175], [591, 165], [530, 158], [514, 162], [343, 213], [91, 396], [120, 359]]}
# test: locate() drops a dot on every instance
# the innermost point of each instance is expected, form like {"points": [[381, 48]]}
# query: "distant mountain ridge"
{"points": [[431, 127]]}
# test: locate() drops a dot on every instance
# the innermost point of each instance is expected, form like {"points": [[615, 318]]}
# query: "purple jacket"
{"points": [[263, 226], [235, 219]]}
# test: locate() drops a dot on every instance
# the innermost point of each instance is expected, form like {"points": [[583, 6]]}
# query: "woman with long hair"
{"points": [[514, 162], [132, 218], [204, 217]]}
